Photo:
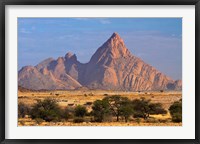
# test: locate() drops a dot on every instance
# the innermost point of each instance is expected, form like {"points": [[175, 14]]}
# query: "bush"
{"points": [[176, 111], [100, 110], [23, 110], [78, 120], [143, 108], [80, 111], [88, 103], [67, 113], [47, 110], [115, 104], [156, 108], [177, 117]]}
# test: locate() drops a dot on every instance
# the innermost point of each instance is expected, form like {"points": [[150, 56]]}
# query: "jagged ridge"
{"points": [[112, 67]]}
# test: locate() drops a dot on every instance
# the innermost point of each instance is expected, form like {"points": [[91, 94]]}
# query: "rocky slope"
{"points": [[112, 67]]}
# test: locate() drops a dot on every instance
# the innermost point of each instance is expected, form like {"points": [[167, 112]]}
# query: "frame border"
{"points": [[3, 4]]}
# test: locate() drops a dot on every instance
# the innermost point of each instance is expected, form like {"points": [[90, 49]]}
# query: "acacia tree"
{"points": [[115, 103], [126, 110], [100, 110], [143, 108]]}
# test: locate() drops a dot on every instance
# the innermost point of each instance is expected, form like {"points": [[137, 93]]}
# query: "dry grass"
{"points": [[81, 97]]}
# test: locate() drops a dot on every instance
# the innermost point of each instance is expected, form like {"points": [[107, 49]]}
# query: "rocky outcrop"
{"points": [[49, 74], [112, 67]]}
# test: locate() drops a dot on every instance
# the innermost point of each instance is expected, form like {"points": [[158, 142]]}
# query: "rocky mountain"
{"points": [[112, 67]]}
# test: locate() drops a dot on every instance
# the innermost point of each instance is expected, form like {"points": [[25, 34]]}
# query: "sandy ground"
{"points": [[73, 98], [82, 97]]}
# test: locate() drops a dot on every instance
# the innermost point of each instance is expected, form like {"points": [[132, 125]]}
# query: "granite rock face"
{"points": [[112, 67]]}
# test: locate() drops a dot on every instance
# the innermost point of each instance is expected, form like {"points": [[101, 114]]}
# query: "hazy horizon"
{"points": [[157, 41]]}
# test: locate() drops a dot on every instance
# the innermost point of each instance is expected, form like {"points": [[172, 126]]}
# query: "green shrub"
{"points": [[143, 108], [67, 113], [126, 110], [115, 105], [156, 108], [100, 110], [177, 117], [47, 110], [176, 111], [80, 111]]}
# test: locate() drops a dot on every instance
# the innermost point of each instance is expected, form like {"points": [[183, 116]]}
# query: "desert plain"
{"points": [[73, 98]]}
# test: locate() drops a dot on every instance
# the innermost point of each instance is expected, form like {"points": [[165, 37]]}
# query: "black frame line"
{"points": [[3, 3]]}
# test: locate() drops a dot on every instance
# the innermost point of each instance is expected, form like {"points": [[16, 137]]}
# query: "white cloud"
{"points": [[70, 36], [104, 21], [23, 30]]}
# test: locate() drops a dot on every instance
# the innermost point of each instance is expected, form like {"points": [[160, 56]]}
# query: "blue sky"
{"points": [[158, 41]]}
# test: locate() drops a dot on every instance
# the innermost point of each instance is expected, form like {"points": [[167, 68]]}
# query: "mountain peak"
{"points": [[70, 56], [113, 48], [60, 60], [115, 38], [112, 67], [115, 35]]}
